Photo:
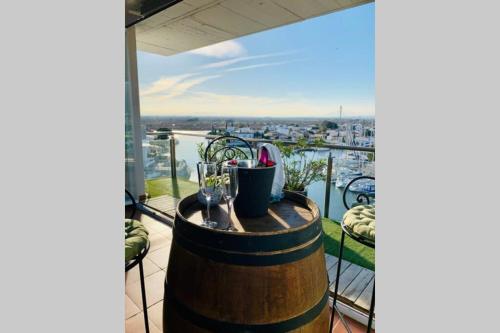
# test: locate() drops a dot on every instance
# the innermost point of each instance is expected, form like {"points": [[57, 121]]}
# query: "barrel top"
{"points": [[294, 212]]}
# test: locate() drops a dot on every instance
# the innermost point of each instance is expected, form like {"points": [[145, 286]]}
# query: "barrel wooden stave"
{"points": [[236, 293], [219, 290]]}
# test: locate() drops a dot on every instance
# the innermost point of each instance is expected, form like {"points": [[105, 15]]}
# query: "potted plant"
{"points": [[301, 169]]}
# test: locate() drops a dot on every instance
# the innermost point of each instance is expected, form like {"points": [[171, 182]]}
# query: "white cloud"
{"points": [[183, 87], [265, 64], [169, 87], [234, 100], [164, 84], [227, 49], [229, 62], [162, 96], [208, 103]]}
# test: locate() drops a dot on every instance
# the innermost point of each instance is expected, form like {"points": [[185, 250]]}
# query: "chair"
{"points": [[359, 224], [136, 248], [225, 148], [222, 149]]}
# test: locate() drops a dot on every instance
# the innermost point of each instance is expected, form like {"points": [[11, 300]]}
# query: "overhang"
{"points": [[191, 24]]}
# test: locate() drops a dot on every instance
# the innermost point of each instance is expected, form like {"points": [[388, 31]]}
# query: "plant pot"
{"points": [[304, 192], [254, 191]]}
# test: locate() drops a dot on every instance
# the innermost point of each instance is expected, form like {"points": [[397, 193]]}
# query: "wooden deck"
{"points": [[355, 284]]}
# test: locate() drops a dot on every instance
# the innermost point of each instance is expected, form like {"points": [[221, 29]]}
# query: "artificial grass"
{"points": [[178, 188], [354, 252]]}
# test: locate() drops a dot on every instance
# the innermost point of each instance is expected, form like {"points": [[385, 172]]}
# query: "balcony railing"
{"points": [[168, 139]]}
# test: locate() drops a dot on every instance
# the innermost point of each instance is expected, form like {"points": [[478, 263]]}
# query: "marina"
{"points": [[346, 166]]}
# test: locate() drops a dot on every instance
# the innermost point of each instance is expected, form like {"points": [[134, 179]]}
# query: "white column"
{"points": [[131, 73]]}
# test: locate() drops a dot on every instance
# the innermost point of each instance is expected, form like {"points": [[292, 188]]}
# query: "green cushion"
{"points": [[361, 220], [136, 238]]}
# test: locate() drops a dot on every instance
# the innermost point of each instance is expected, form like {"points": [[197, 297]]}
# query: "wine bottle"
{"points": [[263, 157]]}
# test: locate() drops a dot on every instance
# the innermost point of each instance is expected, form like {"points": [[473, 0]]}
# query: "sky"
{"points": [[305, 69]]}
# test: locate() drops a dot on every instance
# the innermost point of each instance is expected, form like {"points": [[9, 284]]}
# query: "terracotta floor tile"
{"points": [[168, 233], [154, 289], [155, 314], [156, 226], [353, 325], [130, 308], [133, 275], [152, 225], [160, 257], [160, 240], [135, 324], [160, 227]]}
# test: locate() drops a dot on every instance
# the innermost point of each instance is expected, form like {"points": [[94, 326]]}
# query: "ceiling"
{"points": [[191, 24]]}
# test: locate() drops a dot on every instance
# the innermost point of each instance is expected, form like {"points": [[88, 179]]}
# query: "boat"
{"points": [[366, 187], [235, 143], [344, 176]]}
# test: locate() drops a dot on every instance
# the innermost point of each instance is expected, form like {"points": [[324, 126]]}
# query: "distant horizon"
{"points": [[305, 69], [256, 117]]}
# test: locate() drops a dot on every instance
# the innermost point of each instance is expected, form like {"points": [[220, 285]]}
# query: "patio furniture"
{"points": [[219, 150], [229, 151], [255, 184], [269, 275], [136, 248], [359, 224]]}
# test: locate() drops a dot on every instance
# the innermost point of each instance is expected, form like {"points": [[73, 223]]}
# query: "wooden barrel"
{"points": [[269, 276]]}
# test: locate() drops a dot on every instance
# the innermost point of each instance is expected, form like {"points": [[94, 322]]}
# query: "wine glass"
{"points": [[229, 186], [208, 186]]}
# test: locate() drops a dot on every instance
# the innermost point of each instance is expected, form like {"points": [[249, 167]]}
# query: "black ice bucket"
{"points": [[254, 184], [254, 191]]}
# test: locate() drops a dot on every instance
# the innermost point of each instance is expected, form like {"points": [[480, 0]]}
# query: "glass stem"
{"points": [[229, 209], [208, 208]]}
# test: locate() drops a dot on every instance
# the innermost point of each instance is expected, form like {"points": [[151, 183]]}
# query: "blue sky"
{"points": [[308, 68]]}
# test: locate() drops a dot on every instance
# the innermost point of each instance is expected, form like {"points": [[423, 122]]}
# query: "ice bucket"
{"points": [[254, 190]]}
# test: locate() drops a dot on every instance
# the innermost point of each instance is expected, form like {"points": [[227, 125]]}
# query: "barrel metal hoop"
{"points": [[247, 259], [226, 327], [243, 243]]}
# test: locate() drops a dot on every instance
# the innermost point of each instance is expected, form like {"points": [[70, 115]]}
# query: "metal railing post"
{"points": [[328, 185], [173, 164]]}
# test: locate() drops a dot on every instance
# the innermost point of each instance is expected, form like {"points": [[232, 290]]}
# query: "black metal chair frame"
{"points": [[362, 199], [138, 261], [229, 152]]}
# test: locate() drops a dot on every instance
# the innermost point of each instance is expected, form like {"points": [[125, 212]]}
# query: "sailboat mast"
{"points": [[340, 121]]}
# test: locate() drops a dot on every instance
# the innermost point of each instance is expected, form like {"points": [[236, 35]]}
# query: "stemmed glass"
{"points": [[208, 186], [229, 186]]}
